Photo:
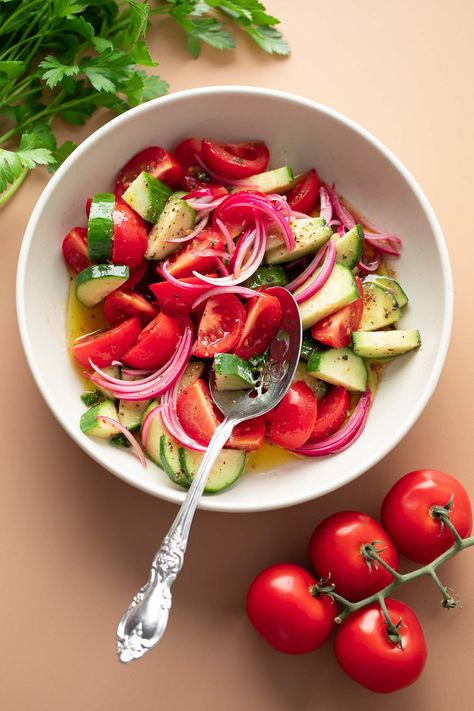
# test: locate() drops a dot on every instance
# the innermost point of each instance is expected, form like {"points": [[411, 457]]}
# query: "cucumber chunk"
{"points": [[94, 283], [267, 276], [100, 227], [391, 285], [177, 219], [130, 412], [339, 290], [384, 344], [339, 366], [90, 425], [380, 307], [147, 196], [114, 372], [279, 180], [310, 234], [349, 247], [191, 373], [171, 463], [307, 346], [232, 373], [228, 467], [318, 386]]}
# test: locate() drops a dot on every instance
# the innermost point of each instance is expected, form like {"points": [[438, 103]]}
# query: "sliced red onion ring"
{"points": [[370, 266], [222, 268], [345, 216], [259, 203], [197, 230], [295, 215], [282, 203], [382, 243], [230, 244], [238, 290], [178, 282], [171, 422], [326, 204], [322, 276], [344, 437], [147, 422], [136, 447]]}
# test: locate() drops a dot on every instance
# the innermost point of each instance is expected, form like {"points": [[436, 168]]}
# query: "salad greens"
{"points": [[67, 58]]}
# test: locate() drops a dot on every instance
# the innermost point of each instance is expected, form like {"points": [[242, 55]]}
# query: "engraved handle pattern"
{"points": [[144, 622]]}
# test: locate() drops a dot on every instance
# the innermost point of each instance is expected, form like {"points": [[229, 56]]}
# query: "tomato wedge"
{"points": [[305, 195], [130, 236], [235, 160], [336, 330], [294, 417], [333, 409], [197, 412], [172, 298], [263, 317], [103, 348], [220, 327], [188, 259], [199, 418], [136, 275], [156, 344], [156, 161], [121, 305], [75, 249]]}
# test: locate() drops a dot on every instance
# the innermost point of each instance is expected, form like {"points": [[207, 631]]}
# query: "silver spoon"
{"points": [[144, 623]]}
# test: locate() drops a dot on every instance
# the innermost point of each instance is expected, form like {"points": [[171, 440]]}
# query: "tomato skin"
{"points": [[197, 412], [74, 249], [235, 160], [285, 614], [130, 238], [263, 316], [336, 329], [248, 435], [333, 409], [405, 513], [172, 298], [156, 161], [295, 416], [335, 551], [136, 275], [366, 654], [185, 262], [110, 345], [304, 197], [220, 327], [156, 344], [121, 305]]}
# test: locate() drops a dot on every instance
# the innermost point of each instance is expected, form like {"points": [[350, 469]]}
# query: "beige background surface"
{"points": [[76, 541]]}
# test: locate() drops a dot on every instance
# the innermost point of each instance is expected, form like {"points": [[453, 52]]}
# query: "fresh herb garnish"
{"points": [[120, 440], [66, 58], [91, 398]]}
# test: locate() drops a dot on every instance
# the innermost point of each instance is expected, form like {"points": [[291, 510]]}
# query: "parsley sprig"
{"points": [[67, 58]]}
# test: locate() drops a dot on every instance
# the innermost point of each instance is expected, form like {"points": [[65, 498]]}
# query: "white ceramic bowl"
{"points": [[303, 134]]}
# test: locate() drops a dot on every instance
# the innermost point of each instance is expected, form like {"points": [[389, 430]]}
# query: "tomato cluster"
{"points": [[382, 649]]}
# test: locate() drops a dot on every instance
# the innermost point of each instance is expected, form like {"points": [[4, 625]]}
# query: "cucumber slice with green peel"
{"points": [[171, 463], [100, 228], [307, 346], [391, 285], [177, 219], [130, 414], [90, 425], [228, 467], [267, 276], [147, 196], [349, 247], [232, 372], [339, 290], [339, 366], [114, 372], [318, 386], [178, 194], [310, 234], [94, 283], [384, 344], [191, 373], [380, 307], [278, 181]]}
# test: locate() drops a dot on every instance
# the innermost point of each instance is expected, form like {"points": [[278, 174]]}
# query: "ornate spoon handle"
{"points": [[144, 623]]}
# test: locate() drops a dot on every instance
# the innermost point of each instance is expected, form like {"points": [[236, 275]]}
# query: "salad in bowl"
{"points": [[171, 279]]}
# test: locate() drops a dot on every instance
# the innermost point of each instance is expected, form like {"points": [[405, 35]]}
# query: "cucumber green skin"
{"points": [[100, 228], [391, 285], [147, 196], [94, 283], [277, 181], [322, 363], [267, 276], [396, 343], [349, 247], [380, 307], [177, 475], [232, 373], [214, 484], [321, 304], [307, 347], [90, 426]]}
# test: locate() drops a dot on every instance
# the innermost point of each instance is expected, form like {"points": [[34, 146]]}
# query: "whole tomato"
{"points": [[407, 513], [282, 609], [335, 552], [367, 654]]}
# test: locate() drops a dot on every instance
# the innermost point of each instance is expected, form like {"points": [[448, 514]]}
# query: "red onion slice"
{"points": [[171, 422], [322, 276], [197, 230], [238, 290], [136, 447], [178, 282], [345, 216], [230, 244], [147, 422], [326, 204]]}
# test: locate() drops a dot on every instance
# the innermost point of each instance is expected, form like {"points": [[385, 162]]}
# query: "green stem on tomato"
{"points": [[371, 553]]}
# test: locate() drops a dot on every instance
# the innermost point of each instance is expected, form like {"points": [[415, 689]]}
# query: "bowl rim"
{"points": [[217, 503]]}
